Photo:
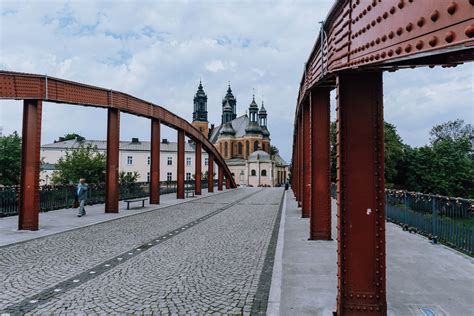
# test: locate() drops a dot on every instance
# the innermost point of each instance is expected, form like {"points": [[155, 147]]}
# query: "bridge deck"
{"points": [[203, 256], [421, 277]]}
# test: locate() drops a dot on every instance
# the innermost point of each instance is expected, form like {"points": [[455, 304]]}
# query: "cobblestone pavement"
{"points": [[201, 257]]}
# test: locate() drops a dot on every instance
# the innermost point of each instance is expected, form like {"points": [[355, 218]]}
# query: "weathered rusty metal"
{"points": [[320, 218], [14, 85], [306, 205], [210, 173], [180, 166], [361, 203], [155, 162], [29, 203], [227, 183], [220, 178], [300, 163], [197, 168], [112, 168]]}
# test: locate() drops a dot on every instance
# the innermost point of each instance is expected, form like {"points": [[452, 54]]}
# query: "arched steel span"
{"points": [[358, 41], [34, 88]]}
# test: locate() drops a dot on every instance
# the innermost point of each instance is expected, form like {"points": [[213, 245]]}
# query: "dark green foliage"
{"points": [[71, 136], [85, 162], [273, 150], [451, 130], [394, 152], [128, 177], [10, 159]]}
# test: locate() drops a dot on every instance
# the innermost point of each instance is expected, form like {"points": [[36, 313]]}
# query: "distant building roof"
{"points": [[124, 145], [259, 155], [239, 124]]}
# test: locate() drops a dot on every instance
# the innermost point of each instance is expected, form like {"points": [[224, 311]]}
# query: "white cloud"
{"points": [[219, 65]]}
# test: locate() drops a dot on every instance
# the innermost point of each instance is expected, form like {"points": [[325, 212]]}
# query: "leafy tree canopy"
{"points": [[10, 159], [71, 136], [451, 130], [274, 150], [128, 177], [84, 162]]}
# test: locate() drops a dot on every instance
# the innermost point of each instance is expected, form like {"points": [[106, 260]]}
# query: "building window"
{"points": [[149, 160], [255, 145], [226, 151], [170, 161], [253, 173], [188, 176], [147, 177], [264, 173], [239, 149], [169, 176], [129, 160], [206, 161], [188, 161]]}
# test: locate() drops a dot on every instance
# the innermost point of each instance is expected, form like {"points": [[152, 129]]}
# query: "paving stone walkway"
{"points": [[205, 256]]}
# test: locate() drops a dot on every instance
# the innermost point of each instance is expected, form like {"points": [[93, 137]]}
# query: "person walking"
{"points": [[81, 192]]}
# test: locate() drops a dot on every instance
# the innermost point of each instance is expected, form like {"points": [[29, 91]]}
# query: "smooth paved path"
{"points": [[205, 256], [422, 279]]}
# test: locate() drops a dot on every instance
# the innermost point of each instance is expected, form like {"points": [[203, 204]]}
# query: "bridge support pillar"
{"points": [[300, 160], [227, 183], [112, 177], [320, 218], [30, 166], [197, 168], [220, 178], [155, 162], [361, 203], [306, 163], [180, 173], [210, 173]]}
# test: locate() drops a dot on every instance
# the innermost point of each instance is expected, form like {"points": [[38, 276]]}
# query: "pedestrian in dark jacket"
{"points": [[81, 192]]}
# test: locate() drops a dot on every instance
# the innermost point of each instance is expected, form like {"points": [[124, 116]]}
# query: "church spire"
{"points": [[232, 101], [200, 104]]}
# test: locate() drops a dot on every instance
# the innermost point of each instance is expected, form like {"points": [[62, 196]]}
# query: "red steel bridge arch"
{"points": [[34, 89], [358, 41]]}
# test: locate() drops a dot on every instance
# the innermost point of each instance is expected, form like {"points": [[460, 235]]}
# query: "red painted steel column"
{"points": [[227, 183], [155, 162], [220, 178], [180, 173], [30, 166], [210, 173], [300, 161], [112, 178], [306, 189], [197, 168], [320, 222], [361, 208]]}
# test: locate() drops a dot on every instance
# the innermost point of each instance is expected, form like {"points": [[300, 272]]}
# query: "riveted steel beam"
{"points": [[220, 178], [30, 166], [306, 160], [361, 204], [210, 173], [112, 168], [320, 218], [180, 166], [155, 162], [197, 168]]}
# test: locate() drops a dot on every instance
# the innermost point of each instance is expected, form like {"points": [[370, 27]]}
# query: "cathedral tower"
{"points": [[200, 111], [229, 100]]}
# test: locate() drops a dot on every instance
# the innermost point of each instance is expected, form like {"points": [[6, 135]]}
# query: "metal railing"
{"points": [[440, 218], [54, 197]]}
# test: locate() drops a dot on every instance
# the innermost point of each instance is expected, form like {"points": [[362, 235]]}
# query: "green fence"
{"points": [[61, 196], [440, 218]]}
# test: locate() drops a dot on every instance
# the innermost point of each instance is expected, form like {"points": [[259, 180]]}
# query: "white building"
{"points": [[133, 156]]}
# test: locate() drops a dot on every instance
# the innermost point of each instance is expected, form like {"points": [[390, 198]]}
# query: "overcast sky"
{"points": [[159, 50]]}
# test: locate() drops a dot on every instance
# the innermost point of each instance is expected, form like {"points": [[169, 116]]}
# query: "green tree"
{"points": [[128, 177], [274, 150], [394, 152], [10, 159], [451, 130], [84, 162], [71, 136]]}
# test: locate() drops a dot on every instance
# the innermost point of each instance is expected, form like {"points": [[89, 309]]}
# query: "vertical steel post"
{"points": [[180, 173], [155, 162], [300, 161], [361, 211], [30, 166], [220, 177], [306, 189], [227, 183], [197, 168], [320, 218], [210, 173], [112, 177]]}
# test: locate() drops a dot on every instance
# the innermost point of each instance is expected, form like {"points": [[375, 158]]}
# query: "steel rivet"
{"points": [[434, 15], [399, 31], [377, 40], [372, 43], [419, 44], [449, 37], [373, 23], [392, 10], [383, 55], [391, 35], [433, 41], [408, 48], [452, 8], [469, 31], [364, 12], [409, 27], [379, 19], [398, 51], [400, 4], [384, 38], [421, 22], [390, 53]]}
